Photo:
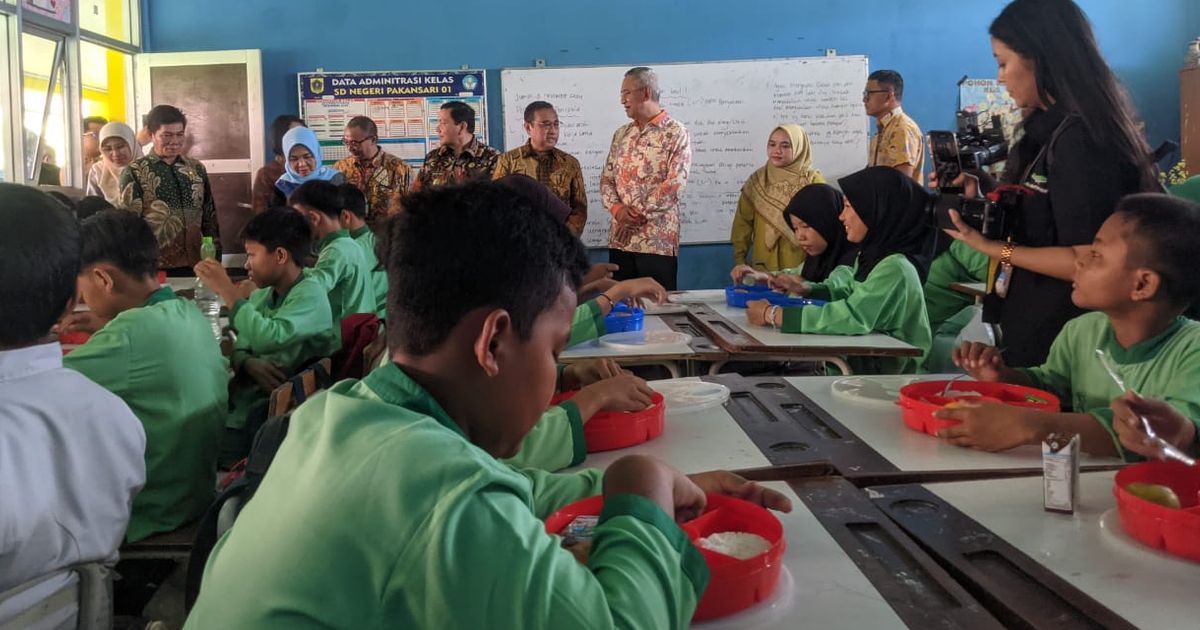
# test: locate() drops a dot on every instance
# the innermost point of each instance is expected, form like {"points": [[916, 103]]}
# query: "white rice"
{"points": [[740, 545]]}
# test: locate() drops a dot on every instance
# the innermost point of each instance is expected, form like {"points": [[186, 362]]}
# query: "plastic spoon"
{"points": [[1168, 450]]}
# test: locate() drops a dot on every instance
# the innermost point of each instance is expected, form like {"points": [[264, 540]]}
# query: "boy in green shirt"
{"points": [[157, 353], [386, 507], [1139, 275], [353, 218], [282, 327], [341, 268]]}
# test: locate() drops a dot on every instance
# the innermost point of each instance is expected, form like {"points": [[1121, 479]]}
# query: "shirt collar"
{"points": [[360, 231], [30, 360], [659, 119], [528, 152], [331, 237], [892, 115], [1141, 351], [472, 148], [162, 294], [394, 387], [375, 161]]}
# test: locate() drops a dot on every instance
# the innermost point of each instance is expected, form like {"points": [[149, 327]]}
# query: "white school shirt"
{"points": [[71, 461]]}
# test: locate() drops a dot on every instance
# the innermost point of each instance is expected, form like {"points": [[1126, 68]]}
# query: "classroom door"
{"points": [[220, 92]]}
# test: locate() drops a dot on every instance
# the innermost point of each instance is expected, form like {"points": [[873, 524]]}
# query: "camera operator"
{"points": [[1080, 153]]}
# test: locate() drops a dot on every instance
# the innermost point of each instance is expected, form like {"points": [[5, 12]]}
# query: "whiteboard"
{"points": [[729, 109]]}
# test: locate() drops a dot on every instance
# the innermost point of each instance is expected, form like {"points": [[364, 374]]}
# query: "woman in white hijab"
{"points": [[118, 147]]}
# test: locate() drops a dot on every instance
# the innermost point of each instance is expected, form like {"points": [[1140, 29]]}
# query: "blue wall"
{"points": [[932, 42]]}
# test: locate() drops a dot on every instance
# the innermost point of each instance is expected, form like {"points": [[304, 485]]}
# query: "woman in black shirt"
{"points": [[1080, 153]]}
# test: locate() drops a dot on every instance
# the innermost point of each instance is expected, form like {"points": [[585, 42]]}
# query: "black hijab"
{"points": [[538, 195], [819, 205], [892, 206]]}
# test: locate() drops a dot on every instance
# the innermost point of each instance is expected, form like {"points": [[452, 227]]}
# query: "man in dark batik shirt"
{"points": [[461, 156]]}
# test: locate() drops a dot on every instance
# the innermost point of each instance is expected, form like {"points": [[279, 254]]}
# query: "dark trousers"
{"points": [[634, 265]]}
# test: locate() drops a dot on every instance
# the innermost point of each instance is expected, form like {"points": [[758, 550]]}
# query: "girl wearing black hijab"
{"points": [[812, 214], [884, 212]]}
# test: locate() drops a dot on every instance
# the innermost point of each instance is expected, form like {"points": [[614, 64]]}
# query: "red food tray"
{"points": [[733, 585], [609, 430], [921, 400], [1175, 531]]}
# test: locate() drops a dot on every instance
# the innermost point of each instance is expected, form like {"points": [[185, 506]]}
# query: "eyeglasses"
{"points": [[350, 142], [549, 125], [868, 93]]}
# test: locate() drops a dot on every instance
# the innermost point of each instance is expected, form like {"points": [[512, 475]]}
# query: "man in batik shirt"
{"points": [[171, 191], [642, 181]]}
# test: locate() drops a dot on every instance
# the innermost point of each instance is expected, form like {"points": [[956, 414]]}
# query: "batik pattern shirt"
{"points": [[442, 167], [898, 140], [646, 170], [382, 180], [557, 170], [176, 200]]}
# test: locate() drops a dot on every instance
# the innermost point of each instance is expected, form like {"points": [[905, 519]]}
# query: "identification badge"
{"points": [[1003, 277]]}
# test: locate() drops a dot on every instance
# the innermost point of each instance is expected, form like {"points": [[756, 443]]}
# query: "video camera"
{"points": [[991, 214], [969, 148]]}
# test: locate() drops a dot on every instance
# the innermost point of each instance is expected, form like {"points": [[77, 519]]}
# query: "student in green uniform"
{"points": [[281, 328], [1139, 277], [884, 212], [353, 218], [386, 507], [588, 321], [557, 441], [342, 268], [813, 214], [950, 311], [157, 353]]}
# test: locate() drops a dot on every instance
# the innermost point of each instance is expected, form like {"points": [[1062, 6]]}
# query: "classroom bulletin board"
{"points": [[403, 104]]}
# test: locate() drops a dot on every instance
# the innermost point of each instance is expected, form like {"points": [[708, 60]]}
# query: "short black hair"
{"points": [[318, 195], [39, 247], [533, 108], [352, 199], [283, 227], [94, 120], [891, 79], [366, 124], [164, 115], [121, 239], [520, 260], [90, 205], [279, 127], [63, 198], [460, 113], [1165, 230]]}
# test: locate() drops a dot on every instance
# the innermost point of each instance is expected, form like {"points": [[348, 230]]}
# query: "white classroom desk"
{"points": [[848, 345], [885, 431], [820, 586], [1149, 588], [668, 356]]}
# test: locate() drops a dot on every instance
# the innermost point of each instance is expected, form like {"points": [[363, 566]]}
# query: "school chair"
{"points": [[83, 603]]}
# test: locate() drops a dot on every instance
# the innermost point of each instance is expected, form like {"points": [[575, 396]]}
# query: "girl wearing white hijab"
{"points": [[118, 147]]}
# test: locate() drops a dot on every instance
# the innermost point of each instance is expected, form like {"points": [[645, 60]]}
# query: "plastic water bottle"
{"points": [[209, 302]]}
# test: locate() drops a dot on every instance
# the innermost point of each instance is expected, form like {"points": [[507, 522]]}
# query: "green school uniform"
{"points": [[959, 263], [342, 271], [381, 514], [588, 323], [162, 360], [555, 442], [1165, 367], [379, 282], [889, 301], [288, 332]]}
